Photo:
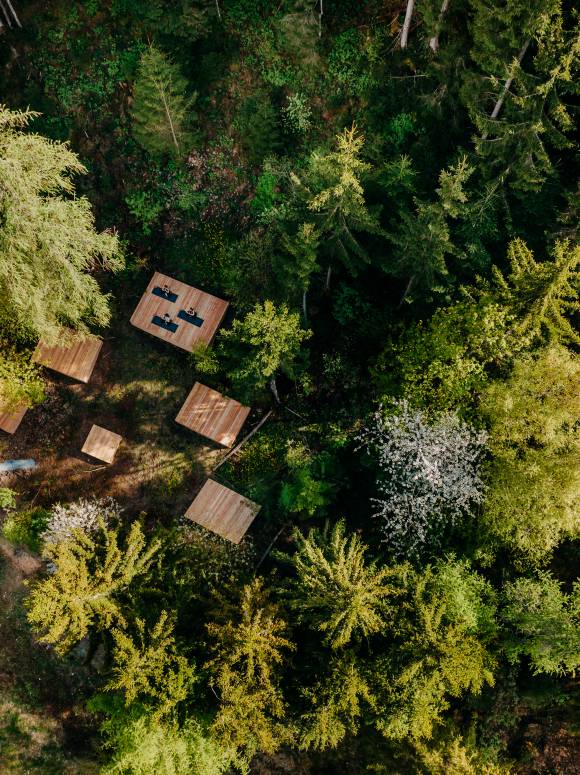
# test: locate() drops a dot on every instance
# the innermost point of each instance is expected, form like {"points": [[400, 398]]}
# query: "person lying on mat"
{"points": [[166, 318], [166, 289]]}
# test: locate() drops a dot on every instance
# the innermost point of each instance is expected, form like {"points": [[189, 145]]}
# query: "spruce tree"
{"points": [[48, 242], [84, 591], [162, 112]]}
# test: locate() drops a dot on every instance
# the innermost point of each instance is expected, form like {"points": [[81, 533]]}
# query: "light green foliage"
{"points": [[204, 359], [248, 645], [146, 746], [85, 589], [423, 240], [534, 496], [48, 242], [25, 528], [337, 705], [20, 380], [298, 261], [268, 339], [297, 114], [335, 591], [443, 363], [544, 294], [335, 195], [442, 626], [162, 112], [306, 491], [148, 667], [546, 624], [454, 757], [7, 498]]}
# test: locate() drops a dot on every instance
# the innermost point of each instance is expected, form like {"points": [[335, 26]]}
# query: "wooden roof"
{"points": [[102, 444], [9, 421], [76, 360], [208, 307], [210, 414], [222, 511]]}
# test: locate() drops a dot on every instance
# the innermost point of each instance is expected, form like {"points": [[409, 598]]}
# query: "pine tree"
{"points": [[422, 238], [248, 644], [333, 190], [336, 703], [335, 591], [544, 295], [266, 342], [84, 591], [48, 242], [162, 111], [149, 668]]}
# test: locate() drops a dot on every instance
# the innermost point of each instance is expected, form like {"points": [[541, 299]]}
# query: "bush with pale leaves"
{"points": [[85, 515]]}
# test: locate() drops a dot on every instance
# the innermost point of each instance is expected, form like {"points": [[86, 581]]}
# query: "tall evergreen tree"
{"points": [[162, 111], [85, 590], [48, 242]]}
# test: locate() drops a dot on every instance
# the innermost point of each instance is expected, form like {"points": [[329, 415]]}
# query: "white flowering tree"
{"points": [[429, 474], [85, 515]]}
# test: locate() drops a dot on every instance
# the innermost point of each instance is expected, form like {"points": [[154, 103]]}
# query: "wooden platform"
{"points": [[9, 421], [210, 414], [76, 360], [223, 511], [102, 444], [208, 307]]}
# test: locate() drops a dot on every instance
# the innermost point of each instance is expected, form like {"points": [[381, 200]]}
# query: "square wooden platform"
{"points": [[223, 511], [208, 307], [76, 360], [210, 414], [102, 444], [9, 421]]}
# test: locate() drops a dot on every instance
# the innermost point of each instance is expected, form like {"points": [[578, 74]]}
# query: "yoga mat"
{"points": [[194, 319], [167, 296], [162, 324]]}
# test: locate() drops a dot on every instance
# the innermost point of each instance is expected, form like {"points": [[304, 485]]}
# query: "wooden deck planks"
{"points": [[223, 511], [9, 421], [213, 415], [76, 360], [208, 307], [102, 444]]}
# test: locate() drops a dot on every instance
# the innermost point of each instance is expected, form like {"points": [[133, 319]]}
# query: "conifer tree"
{"points": [[336, 705], [334, 193], [335, 591], [248, 643], [149, 668], [544, 295], [86, 586], [48, 242], [162, 112]]}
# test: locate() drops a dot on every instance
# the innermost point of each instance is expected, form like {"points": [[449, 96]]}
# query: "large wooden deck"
{"points": [[76, 360], [210, 414], [207, 307], [223, 511], [9, 421]]}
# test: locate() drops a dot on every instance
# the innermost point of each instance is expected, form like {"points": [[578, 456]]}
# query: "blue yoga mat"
{"points": [[190, 318], [167, 296], [162, 324]]}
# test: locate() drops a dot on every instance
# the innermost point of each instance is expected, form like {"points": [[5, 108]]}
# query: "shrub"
{"points": [[26, 528], [84, 515]]}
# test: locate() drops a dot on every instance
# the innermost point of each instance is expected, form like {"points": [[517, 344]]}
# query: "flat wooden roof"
{"points": [[102, 444], [76, 360], [208, 307], [223, 511], [9, 421], [210, 414]]}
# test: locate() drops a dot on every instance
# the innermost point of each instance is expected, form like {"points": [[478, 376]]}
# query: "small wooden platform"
{"points": [[223, 511], [9, 421], [208, 307], [76, 360], [210, 414], [102, 444]]}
